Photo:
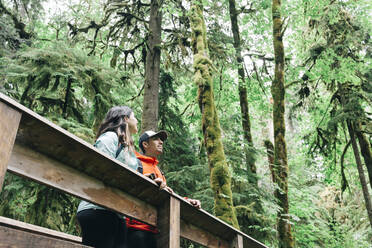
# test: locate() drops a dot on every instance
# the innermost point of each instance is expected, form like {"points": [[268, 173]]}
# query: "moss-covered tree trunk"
{"points": [[280, 150], [220, 178], [244, 107], [362, 178], [270, 158], [365, 150], [150, 114]]}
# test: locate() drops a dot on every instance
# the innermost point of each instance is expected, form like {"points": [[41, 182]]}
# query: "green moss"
{"points": [[220, 178]]}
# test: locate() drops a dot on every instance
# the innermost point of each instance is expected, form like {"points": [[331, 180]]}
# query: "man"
{"points": [[151, 145]]}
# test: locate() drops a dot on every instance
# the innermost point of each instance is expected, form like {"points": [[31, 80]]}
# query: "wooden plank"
{"points": [[197, 235], [237, 242], [204, 220], [38, 167], [209, 223], [19, 225], [9, 122], [169, 224], [251, 242], [14, 238]]}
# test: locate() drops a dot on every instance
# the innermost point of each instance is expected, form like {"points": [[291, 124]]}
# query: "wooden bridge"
{"points": [[37, 149]]}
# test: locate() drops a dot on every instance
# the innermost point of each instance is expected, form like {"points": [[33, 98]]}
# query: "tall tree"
{"points": [[220, 177], [280, 149], [341, 68], [365, 149], [367, 198], [244, 107], [150, 114], [346, 97]]}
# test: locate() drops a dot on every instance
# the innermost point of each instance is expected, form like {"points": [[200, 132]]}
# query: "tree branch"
{"points": [[246, 9], [285, 27], [139, 93], [20, 26], [344, 183], [184, 111], [126, 15]]}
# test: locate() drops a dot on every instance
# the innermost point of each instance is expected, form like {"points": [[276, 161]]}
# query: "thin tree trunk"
{"points": [[344, 183], [362, 178], [150, 114], [67, 97], [244, 107], [270, 158], [365, 150], [220, 177], [280, 150]]}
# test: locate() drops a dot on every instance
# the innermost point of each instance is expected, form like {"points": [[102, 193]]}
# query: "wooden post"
{"points": [[237, 241], [9, 122], [169, 224]]}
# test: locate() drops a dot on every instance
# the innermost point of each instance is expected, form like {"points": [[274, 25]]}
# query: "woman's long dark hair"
{"points": [[114, 121]]}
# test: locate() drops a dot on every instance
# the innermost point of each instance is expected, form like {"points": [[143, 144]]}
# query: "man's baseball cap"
{"points": [[149, 134]]}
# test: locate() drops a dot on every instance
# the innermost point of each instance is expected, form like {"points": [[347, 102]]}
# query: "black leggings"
{"points": [[141, 239], [102, 228]]}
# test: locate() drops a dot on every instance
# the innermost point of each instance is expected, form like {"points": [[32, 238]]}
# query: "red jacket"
{"points": [[149, 165]]}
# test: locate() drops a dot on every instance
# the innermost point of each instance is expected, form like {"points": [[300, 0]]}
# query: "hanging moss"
{"points": [[220, 178], [60, 80]]}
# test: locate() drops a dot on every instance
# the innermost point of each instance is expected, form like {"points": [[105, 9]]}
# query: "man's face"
{"points": [[153, 147]]}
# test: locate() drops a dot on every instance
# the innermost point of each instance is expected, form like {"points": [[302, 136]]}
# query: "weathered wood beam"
{"points": [[36, 166], [22, 226], [9, 122], [10, 237], [169, 224], [195, 234]]}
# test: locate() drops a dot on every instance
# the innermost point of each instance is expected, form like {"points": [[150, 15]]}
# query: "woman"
{"points": [[101, 227]]}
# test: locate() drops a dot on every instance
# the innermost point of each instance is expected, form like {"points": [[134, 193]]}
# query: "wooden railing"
{"points": [[35, 148]]}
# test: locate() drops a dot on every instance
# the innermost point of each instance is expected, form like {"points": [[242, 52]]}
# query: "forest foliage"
{"points": [[70, 61]]}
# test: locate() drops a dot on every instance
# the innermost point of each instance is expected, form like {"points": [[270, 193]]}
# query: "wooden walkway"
{"points": [[35, 148]]}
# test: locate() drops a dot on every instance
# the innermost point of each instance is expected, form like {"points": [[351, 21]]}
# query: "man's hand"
{"points": [[160, 182], [163, 185], [168, 189], [193, 202], [157, 180]]}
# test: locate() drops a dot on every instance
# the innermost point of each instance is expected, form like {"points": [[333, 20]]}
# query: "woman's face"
{"points": [[132, 123]]}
